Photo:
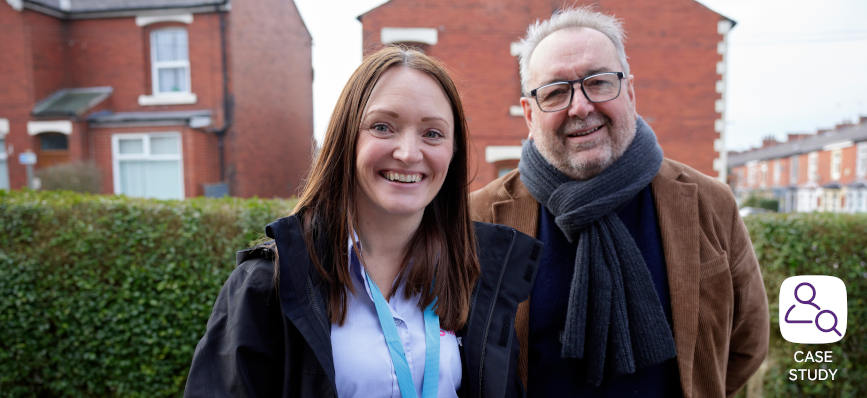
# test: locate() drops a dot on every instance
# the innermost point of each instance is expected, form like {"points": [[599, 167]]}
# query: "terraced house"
{"points": [[170, 98], [826, 171]]}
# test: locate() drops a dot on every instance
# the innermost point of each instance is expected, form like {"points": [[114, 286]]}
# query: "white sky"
{"points": [[793, 66]]}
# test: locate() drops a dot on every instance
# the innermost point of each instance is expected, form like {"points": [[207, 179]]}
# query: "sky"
{"points": [[793, 66]]}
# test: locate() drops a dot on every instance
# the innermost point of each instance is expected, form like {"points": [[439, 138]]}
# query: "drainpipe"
{"points": [[228, 100]]}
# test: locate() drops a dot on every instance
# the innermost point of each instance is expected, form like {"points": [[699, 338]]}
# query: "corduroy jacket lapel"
{"points": [[517, 208], [677, 212]]}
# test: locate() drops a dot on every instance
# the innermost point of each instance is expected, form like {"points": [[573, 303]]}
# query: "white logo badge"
{"points": [[813, 309]]}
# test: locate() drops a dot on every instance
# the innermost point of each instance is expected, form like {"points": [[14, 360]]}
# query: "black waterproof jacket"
{"points": [[263, 344]]}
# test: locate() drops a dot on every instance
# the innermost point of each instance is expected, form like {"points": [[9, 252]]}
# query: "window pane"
{"points": [[53, 142], [504, 170], [164, 145], [4, 175], [173, 80], [151, 179], [2, 145], [170, 45], [131, 146]]}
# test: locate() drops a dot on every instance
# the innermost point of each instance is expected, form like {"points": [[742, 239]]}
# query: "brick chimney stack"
{"points": [[769, 141]]}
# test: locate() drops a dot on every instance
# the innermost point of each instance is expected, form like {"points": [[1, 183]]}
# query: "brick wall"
{"points": [[849, 163], [672, 45], [16, 88], [824, 167], [49, 42], [271, 141]]}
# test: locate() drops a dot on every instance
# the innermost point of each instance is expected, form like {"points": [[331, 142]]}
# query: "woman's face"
{"points": [[405, 144]]}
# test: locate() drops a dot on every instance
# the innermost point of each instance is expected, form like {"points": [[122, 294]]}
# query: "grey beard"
{"points": [[580, 168]]}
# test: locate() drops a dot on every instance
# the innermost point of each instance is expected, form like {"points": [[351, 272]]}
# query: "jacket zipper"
{"points": [[312, 295], [491, 311]]}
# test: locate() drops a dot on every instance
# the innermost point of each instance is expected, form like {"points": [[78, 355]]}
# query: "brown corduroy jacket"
{"points": [[718, 301]]}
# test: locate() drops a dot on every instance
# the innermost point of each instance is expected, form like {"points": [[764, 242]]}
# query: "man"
{"points": [[648, 285]]}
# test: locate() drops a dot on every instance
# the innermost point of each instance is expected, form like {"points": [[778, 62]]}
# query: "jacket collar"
{"points": [[301, 302], [516, 207], [677, 212]]}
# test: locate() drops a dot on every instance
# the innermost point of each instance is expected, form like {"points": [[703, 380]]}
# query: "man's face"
{"points": [[585, 138]]}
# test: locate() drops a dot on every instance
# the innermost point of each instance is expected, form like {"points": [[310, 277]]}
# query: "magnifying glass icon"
{"points": [[834, 327]]}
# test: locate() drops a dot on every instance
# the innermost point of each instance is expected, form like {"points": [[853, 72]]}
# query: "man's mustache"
{"points": [[577, 124]]}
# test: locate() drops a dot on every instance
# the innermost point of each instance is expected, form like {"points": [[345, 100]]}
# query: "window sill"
{"points": [[167, 99]]}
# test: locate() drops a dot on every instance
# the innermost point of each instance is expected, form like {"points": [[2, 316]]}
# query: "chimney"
{"points": [[845, 123], [769, 141], [797, 137], [862, 120]]}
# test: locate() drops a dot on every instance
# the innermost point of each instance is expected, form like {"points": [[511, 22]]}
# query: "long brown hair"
{"points": [[443, 248]]}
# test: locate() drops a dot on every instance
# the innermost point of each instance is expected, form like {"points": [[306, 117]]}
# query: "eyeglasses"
{"points": [[597, 88]]}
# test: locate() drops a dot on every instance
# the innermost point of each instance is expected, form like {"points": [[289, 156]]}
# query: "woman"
{"points": [[377, 288]]}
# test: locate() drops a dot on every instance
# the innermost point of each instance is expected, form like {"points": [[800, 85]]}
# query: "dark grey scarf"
{"points": [[614, 320]]}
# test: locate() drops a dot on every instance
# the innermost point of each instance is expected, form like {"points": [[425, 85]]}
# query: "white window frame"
{"points": [[752, 175], [836, 164], [117, 157], [4, 158], [794, 164], [861, 163], [157, 65], [813, 166], [778, 171]]}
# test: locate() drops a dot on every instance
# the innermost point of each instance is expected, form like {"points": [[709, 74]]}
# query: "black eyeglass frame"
{"points": [[620, 76]]}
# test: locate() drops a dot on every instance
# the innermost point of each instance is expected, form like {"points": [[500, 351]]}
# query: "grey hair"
{"points": [[581, 17]]}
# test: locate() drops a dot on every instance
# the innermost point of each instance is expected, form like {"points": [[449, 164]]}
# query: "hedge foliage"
{"points": [[104, 296], [815, 244]]}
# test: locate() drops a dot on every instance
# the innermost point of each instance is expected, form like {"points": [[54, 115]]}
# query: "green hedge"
{"points": [[106, 296], [815, 244]]}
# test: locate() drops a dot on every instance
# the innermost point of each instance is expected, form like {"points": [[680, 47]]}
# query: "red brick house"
{"points": [[167, 97], [676, 51]]}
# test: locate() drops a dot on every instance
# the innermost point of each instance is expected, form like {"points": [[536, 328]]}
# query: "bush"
{"points": [[76, 176], [107, 296], [815, 244], [762, 203]]}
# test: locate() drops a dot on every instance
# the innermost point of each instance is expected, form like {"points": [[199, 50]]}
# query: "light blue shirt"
{"points": [[362, 363]]}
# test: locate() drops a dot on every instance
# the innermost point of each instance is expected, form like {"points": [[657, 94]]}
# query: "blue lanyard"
{"points": [[395, 347]]}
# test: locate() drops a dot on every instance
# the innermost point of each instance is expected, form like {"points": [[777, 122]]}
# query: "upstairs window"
{"points": [[764, 169], [778, 170], [836, 164], [861, 165], [813, 166], [170, 61], [752, 174], [793, 170]]}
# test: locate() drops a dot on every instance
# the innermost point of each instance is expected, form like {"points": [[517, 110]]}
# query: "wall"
{"points": [[16, 87], [270, 144]]}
